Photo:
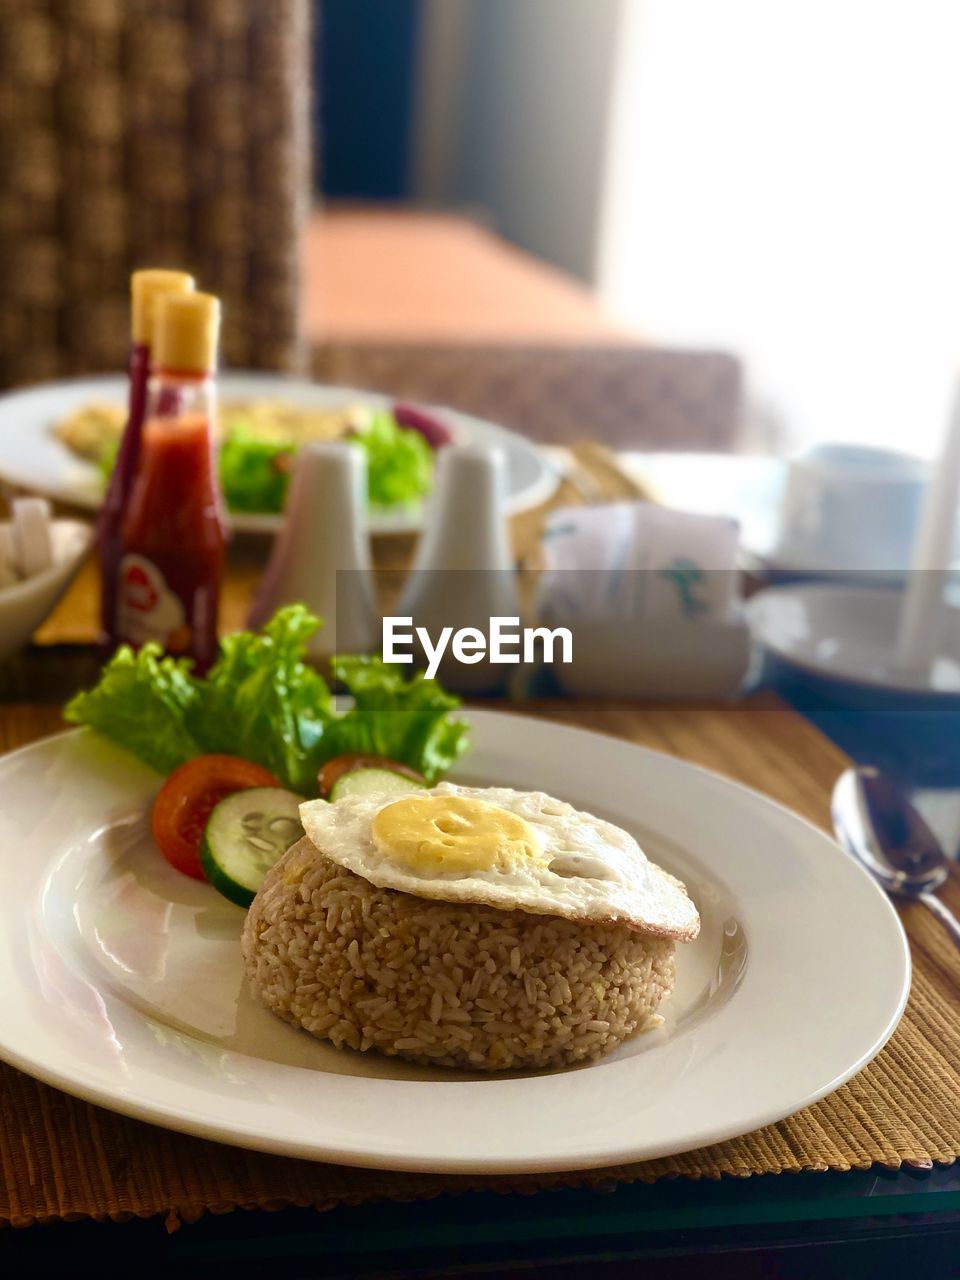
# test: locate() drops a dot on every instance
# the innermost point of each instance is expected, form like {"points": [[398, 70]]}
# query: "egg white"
{"points": [[590, 870]]}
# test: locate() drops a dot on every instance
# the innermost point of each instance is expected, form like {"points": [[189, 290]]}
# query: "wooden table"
{"points": [[375, 274]]}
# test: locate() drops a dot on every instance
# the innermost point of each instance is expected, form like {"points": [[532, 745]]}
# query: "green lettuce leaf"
{"points": [[142, 702], [253, 473], [399, 461], [108, 458], [261, 700], [407, 720]]}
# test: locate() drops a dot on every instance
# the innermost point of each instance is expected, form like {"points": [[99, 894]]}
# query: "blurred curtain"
{"points": [[780, 182], [149, 132], [513, 100]]}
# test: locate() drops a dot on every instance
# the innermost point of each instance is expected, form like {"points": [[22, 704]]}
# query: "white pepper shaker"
{"points": [[463, 572], [321, 557]]}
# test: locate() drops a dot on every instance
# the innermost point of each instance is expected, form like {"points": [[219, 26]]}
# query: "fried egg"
{"points": [[516, 850]]}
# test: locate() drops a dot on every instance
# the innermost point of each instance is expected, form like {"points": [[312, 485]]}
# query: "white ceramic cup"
{"points": [[850, 506]]}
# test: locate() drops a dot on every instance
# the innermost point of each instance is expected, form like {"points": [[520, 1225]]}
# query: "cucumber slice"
{"points": [[245, 835], [368, 782]]}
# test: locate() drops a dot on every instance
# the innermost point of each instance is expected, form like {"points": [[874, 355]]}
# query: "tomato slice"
{"points": [[334, 769], [189, 796]]}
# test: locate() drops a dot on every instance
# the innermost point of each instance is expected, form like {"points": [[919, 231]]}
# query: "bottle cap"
{"points": [[188, 326], [146, 287]]}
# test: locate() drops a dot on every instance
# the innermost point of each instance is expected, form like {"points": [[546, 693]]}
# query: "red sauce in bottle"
{"points": [[173, 533], [146, 287]]}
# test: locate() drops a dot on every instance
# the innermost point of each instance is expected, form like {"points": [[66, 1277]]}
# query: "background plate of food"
{"points": [[60, 440], [525, 948]]}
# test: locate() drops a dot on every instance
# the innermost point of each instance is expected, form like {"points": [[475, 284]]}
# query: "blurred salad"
{"points": [[255, 470], [262, 702]]}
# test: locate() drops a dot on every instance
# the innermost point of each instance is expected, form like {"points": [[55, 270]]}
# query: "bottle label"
{"points": [[147, 609]]}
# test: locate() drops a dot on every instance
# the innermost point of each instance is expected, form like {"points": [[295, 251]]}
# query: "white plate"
{"points": [[32, 458], [122, 979], [847, 635]]}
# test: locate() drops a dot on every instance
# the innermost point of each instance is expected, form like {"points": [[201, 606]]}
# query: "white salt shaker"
{"points": [[323, 536], [463, 573]]}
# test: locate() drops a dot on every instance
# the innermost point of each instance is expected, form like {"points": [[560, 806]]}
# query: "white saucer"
{"points": [[847, 635]]}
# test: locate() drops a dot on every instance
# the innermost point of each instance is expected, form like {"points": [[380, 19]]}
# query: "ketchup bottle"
{"points": [[146, 288], [173, 536]]}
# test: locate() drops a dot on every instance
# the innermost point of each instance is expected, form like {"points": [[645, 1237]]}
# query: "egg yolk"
{"points": [[453, 833]]}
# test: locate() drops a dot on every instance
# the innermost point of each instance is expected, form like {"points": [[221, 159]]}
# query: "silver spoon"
{"points": [[879, 827]]}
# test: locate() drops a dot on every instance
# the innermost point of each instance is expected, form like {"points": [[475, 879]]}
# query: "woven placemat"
{"points": [[63, 1159]]}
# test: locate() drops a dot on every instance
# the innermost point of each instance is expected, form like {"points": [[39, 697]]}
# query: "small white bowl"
{"points": [[25, 604]]}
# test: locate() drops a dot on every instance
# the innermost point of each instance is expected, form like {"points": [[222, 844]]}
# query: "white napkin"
{"points": [[650, 597], [640, 561]]}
